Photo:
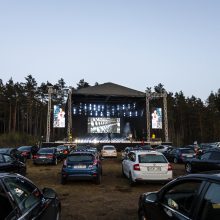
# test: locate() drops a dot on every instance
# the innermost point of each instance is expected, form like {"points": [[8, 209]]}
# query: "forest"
{"points": [[23, 112]]}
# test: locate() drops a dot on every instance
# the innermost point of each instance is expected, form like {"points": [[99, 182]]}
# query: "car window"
{"points": [[206, 156], [109, 148], [46, 151], [210, 209], [181, 196], [80, 158], [25, 194], [132, 157], [151, 158], [1, 159], [215, 156], [8, 159]]}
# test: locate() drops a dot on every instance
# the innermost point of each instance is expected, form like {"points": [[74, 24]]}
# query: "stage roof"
{"points": [[109, 89]]}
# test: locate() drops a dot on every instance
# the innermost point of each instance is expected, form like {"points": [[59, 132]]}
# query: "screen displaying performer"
{"points": [[156, 118], [59, 117]]}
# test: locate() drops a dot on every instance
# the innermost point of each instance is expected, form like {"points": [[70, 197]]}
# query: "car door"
{"points": [[209, 209], [8, 164], [202, 163], [178, 201], [29, 199], [125, 165]]}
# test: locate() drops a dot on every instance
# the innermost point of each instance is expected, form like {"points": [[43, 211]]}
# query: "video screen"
{"points": [[156, 118], [58, 117], [103, 125]]}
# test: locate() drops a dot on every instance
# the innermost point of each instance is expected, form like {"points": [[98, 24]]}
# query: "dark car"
{"points": [[81, 165], [180, 155], [210, 160], [28, 151], [125, 152], [21, 199], [14, 153], [62, 151], [191, 197], [47, 155], [10, 164]]}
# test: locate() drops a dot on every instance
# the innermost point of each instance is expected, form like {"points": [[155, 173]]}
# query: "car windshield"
{"points": [[80, 158], [45, 151], [151, 158], [24, 148], [188, 151], [61, 147], [109, 148]]}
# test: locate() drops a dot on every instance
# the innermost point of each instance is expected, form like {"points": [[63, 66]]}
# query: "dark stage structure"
{"points": [[108, 112]]}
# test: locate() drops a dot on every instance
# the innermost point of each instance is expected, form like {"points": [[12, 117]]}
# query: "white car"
{"points": [[146, 166], [108, 151], [162, 148]]}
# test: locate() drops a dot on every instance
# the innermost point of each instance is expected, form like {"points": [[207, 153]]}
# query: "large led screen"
{"points": [[103, 125], [156, 118], [58, 117]]}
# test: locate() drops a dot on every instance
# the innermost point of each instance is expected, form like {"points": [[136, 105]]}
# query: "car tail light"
{"points": [[65, 152], [35, 156], [169, 167], [136, 167], [24, 153]]}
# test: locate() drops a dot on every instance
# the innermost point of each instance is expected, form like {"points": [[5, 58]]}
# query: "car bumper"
{"points": [[43, 161], [153, 177], [80, 175]]}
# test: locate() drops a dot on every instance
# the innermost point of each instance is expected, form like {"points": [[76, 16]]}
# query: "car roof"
{"points": [[81, 152], [146, 152], [210, 175]]}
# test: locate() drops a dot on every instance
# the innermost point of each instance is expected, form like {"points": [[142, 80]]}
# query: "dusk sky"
{"points": [[134, 43]]}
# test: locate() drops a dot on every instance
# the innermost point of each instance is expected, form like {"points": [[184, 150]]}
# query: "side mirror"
{"points": [[49, 193], [151, 197]]}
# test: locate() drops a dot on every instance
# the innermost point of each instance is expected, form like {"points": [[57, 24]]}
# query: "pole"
{"points": [[69, 125], [50, 90]]}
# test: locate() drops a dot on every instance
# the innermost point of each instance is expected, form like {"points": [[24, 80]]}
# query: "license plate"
{"points": [[154, 168], [79, 166], [43, 157]]}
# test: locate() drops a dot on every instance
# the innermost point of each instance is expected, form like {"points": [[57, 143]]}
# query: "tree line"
{"points": [[23, 110]]}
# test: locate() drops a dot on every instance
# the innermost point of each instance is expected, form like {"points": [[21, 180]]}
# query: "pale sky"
{"points": [[134, 43]]}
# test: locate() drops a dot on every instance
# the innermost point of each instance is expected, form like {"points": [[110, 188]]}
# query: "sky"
{"points": [[133, 43]]}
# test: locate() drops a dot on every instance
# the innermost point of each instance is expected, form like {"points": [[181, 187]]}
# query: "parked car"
{"points": [[210, 160], [14, 153], [203, 147], [21, 199], [47, 155], [28, 151], [191, 197], [82, 165], [146, 166], [63, 151], [162, 148], [108, 151], [10, 164], [125, 152], [180, 155]]}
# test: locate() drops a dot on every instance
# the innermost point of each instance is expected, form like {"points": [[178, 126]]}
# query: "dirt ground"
{"points": [[113, 199]]}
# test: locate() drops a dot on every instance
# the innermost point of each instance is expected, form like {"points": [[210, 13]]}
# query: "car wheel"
{"points": [[175, 160], [131, 182], [98, 179], [188, 168], [63, 180], [141, 215], [55, 162]]}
